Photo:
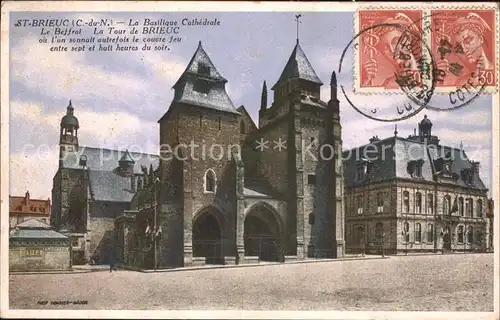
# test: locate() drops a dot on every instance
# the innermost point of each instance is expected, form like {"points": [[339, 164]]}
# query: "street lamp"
{"points": [[155, 227], [405, 234], [383, 239]]}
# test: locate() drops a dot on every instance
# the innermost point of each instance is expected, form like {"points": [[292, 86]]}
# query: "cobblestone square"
{"points": [[460, 282]]}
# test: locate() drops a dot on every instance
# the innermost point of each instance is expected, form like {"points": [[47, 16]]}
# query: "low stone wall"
{"points": [[39, 258]]}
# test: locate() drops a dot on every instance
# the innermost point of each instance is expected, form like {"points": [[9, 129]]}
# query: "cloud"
{"points": [[104, 129], [33, 171]]}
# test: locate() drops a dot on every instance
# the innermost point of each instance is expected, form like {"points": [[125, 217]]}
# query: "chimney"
{"points": [[374, 139], [27, 197], [475, 166]]}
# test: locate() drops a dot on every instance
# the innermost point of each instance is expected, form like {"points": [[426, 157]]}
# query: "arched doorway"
{"points": [[207, 237], [262, 234]]}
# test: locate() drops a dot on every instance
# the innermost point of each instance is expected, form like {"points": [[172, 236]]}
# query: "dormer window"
{"points": [[203, 69], [467, 176], [414, 168], [364, 168]]}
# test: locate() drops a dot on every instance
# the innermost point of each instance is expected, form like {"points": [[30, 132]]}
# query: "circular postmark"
{"points": [[414, 73], [457, 37], [427, 53]]}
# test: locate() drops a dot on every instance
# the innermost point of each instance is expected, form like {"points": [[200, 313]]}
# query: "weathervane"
{"points": [[297, 17]]}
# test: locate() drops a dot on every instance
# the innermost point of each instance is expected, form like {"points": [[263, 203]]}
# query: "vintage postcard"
{"points": [[250, 160]]}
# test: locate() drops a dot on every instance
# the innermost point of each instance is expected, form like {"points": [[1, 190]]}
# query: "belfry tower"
{"points": [[68, 137], [314, 201]]}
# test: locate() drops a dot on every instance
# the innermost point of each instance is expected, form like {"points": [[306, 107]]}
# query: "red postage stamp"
{"points": [[463, 46], [379, 61]]}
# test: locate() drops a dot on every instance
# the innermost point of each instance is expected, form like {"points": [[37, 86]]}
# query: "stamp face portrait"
{"points": [[378, 58], [463, 45]]}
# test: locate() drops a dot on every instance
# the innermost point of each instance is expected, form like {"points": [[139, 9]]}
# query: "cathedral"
{"points": [[275, 193]]}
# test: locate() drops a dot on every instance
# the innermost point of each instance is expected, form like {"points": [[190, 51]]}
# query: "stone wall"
{"points": [[101, 239], [47, 258]]}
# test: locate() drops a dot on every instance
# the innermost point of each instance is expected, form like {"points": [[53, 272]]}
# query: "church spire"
{"points": [[298, 67], [333, 86], [297, 20], [263, 98]]}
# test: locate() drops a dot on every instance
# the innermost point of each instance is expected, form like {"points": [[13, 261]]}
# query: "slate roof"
{"points": [[34, 229], [298, 66], [106, 182], [217, 98], [110, 186], [33, 224], [107, 160], [390, 161]]}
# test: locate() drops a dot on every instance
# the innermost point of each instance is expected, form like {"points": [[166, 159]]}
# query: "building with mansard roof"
{"points": [[249, 204], [414, 194]]}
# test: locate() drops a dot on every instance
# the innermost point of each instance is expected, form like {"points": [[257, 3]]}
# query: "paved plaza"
{"points": [[458, 282]]}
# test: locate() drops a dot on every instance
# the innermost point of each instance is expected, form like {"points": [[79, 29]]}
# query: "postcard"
{"points": [[250, 160]]}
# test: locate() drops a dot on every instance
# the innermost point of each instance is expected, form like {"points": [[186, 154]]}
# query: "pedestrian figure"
{"points": [[112, 266]]}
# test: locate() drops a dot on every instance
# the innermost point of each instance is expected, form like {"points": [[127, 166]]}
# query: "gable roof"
{"points": [[298, 66], [244, 112], [34, 229], [216, 98]]}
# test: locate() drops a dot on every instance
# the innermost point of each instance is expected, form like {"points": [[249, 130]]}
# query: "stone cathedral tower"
{"points": [[311, 129]]}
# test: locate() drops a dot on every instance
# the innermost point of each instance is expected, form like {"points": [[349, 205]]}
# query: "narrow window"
{"points": [[418, 233], [201, 120], [311, 179], [430, 232], [418, 170], [468, 207], [461, 206], [479, 208], [406, 231], [406, 201], [209, 181], [461, 234], [430, 203], [470, 235], [219, 123], [418, 202], [359, 204], [380, 202], [242, 127], [447, 205], [311, 218]]}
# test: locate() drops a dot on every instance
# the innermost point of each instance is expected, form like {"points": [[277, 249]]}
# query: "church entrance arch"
{"points": [[263, 234], [207, 236]]}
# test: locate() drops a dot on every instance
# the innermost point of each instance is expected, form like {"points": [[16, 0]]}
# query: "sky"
{"points": [[119, 96]]}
